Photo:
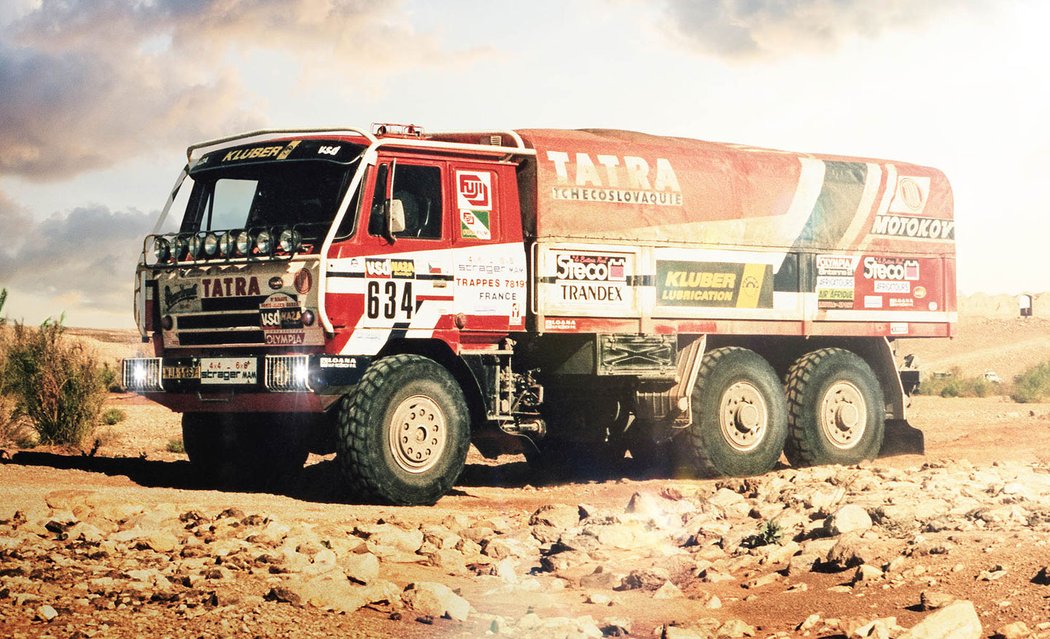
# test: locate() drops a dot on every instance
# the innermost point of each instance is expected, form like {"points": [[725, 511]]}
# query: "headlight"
{"points": [[244, 243], [289, 240], [211, 244], [264, 243], [196, 243], [227, 244], [162, 249], [180, 247]]}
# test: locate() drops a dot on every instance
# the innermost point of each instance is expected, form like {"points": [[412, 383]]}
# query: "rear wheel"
{"points": [[245, 450], [836, 413], [404, 431], [739, 416]]}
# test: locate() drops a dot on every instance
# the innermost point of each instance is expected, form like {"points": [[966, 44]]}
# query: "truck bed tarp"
{"points": [[634, 188]]}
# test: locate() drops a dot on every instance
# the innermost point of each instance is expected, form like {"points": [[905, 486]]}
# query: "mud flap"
{"points": [[901, 438]]}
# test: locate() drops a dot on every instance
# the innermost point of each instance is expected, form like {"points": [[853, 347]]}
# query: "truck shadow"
{"points": [[319, 482]]}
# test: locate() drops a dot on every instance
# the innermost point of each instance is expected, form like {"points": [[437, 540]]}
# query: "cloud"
{"points": [[87, 83], [88, 255], [761, 28]]}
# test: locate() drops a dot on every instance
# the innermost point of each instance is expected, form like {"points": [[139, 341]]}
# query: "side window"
{"points": [[419, 189], [375, 216]]}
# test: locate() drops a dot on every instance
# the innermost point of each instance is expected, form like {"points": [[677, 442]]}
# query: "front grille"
{"points": [[230, 321]]}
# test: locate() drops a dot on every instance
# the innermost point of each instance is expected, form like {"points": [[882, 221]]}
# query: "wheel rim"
{"points": [[418, 434], [843, 415], [743, 416]]}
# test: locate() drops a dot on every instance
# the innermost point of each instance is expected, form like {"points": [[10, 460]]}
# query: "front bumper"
{"points": [[320, 374]]}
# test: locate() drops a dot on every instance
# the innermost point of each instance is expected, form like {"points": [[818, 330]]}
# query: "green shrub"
{"points": [[176, 446], [1033, 385], [113, 416], [955, 385], [56, 383]]}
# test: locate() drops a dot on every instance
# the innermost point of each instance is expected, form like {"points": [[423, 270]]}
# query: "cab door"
{"points": [[408, 272]]}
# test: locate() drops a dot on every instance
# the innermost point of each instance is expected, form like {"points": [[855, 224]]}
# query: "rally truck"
{"points": [[393, 296]]}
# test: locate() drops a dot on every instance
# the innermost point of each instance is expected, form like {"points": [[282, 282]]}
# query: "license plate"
{"points": [[229, 370], [181, 372]]}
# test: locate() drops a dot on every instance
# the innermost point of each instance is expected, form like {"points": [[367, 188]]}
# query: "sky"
{"points": [[100, 98]]}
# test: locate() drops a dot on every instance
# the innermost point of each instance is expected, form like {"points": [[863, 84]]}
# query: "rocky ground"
{"points": [[124, 543], [121, 540]]}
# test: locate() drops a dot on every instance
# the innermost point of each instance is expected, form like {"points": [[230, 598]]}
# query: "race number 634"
{"points": [[390, 299]]}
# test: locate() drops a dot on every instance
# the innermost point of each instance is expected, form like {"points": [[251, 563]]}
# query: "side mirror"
{"points": [[395, 219]]}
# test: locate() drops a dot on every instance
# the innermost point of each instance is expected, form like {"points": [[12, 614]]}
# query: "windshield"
{"points": [[304, 195]]}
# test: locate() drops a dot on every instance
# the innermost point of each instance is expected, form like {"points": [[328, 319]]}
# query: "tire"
{"points": [[836, 412], [739, 417], [403, 432], [244, 450]]}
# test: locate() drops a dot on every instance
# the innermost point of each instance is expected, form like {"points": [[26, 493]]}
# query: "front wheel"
{"points": [[739, 416], [404, 431], [836, 410]]}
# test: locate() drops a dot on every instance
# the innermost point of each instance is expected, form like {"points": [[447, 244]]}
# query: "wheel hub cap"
{"points": [[842, 415], [743, 416], [418, 434]]}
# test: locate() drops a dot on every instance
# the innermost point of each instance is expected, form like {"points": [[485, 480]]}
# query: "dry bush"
{"points": [[55, 382]]}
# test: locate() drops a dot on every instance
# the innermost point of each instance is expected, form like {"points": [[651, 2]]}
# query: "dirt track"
{"points": [[1004, 443]]}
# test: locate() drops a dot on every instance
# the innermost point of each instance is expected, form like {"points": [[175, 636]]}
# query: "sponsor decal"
{"points": [[474, 199], [835, 285], [280, 312], [899, 328], [283, 338], [891, 268], [176, 297], [911, 194], [303, 281], [913, 227], [588, 277], [474, 225], [717, 284], [229, 370], [338, 362], [559, 324], [474, 190], [386, 268], [238, 286], [896, 282], [185, 371], [280, 152], [619, 180], [276, 283], [490, 285], [283, 155], [281, 320]]}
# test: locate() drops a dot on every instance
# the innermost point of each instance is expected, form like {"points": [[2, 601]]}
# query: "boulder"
{"points": [[955, 621]]}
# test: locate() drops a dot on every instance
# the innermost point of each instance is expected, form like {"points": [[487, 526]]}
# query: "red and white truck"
{"points": [[396, 295]]}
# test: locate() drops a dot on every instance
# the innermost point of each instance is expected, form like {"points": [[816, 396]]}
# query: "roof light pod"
{"points": [[180, 248], [161, 249], [290, 241], [264, 243], [211, 245], [228, 244], [244, 243]]}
